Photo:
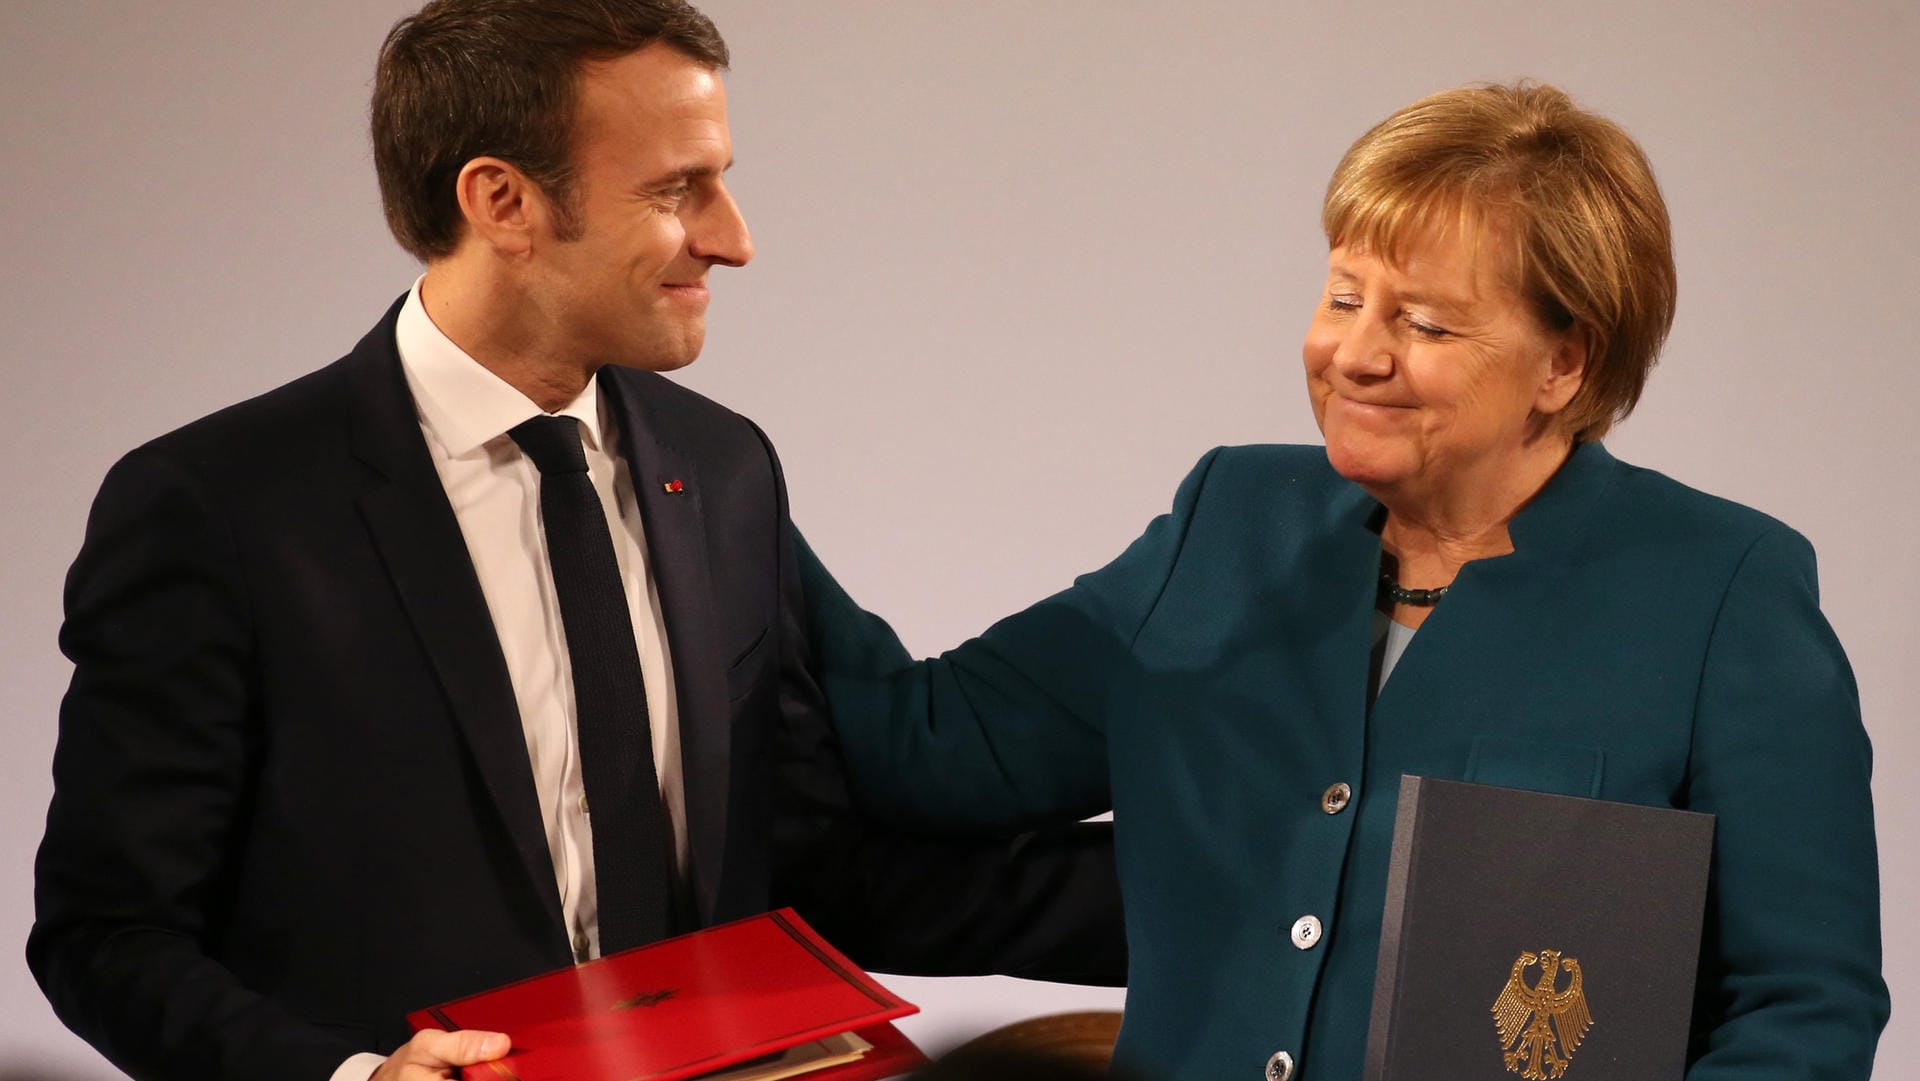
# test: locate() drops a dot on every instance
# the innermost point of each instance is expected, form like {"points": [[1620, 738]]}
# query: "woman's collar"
{"points": [[1548, 524]]}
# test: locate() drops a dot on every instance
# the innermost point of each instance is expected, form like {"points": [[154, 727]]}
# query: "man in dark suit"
{"points": [[476, 653]]}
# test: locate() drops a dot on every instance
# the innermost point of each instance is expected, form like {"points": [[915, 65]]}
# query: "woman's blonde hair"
{"points": [[1567, 192]]}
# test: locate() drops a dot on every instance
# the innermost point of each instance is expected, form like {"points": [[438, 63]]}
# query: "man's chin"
{"points": [[662, 364], [669, 356]]}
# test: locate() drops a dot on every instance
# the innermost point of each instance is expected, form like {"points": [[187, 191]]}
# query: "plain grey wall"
{"points": [[1020, 264]]}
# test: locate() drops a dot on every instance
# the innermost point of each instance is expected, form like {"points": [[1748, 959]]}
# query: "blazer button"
{"points": [[1335, 799], [1306, 932], [1280, 1067]]}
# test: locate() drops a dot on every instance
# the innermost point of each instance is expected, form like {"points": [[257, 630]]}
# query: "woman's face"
{"points": [[1430, 376]]}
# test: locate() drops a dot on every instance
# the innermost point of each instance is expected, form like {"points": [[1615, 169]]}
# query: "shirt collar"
{"points": [[462, 404]]}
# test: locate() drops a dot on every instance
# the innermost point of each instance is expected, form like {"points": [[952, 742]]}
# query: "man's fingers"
{"points": [[434, 1054], [434, 1049]]}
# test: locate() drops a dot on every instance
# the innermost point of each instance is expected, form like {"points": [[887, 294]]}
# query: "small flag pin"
{"points": [[674, 487]]}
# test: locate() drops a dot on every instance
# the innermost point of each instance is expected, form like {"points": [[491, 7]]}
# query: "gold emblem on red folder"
{"points": [[645, 999], [1541, 1025]]}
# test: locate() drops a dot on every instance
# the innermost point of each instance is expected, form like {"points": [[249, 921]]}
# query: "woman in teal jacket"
{"points": [[1462, 583]]}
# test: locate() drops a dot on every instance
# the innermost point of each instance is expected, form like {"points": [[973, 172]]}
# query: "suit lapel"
{"points": [[419, 538], [667, 484]]}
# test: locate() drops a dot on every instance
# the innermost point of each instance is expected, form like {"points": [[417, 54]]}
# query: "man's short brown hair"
{"points": [[1566, 192], [462, 79]]}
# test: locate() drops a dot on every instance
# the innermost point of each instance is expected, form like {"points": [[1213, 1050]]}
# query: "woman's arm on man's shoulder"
{"points": [[1006, 729]]}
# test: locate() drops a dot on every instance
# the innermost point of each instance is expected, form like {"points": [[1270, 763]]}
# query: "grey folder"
{"points": [[1528, 935]]}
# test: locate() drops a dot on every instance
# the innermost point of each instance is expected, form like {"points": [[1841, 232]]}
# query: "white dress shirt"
{"points": [[465, 414]]}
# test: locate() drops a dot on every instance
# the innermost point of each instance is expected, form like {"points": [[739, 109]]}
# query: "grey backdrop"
{"points": [[1020, 264]]}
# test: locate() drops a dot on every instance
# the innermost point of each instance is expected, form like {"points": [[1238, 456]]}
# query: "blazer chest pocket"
{"points": [[1561, 768], [744, 672]]}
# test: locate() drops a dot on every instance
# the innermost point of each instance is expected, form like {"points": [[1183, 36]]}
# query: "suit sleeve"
{"points": [[1790, 986], [1043, 904], [1007, 729], [152, 780]]}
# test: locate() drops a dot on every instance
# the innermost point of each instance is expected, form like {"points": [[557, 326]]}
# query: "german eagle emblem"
{"points": [[1541, 1026], [645, 999]]}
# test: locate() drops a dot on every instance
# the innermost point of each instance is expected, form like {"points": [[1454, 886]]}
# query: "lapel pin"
{"points": [[674, 487]]}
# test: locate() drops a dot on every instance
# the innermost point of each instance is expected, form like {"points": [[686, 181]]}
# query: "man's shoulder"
{"points": [[279, 416], [310, 418], [654, 390], [684, 417]]}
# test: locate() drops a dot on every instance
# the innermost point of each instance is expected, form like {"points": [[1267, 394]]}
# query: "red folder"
{"points": [[688, 1006]]}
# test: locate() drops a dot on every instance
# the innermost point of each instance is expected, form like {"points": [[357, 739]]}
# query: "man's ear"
{"points": [[503, 209], [1566, 370]]}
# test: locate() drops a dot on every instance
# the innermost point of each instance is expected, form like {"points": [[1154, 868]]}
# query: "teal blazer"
{"points": [[1644, 642]]}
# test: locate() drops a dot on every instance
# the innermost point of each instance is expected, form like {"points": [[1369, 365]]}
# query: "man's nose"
{"points": [[720, 234]]}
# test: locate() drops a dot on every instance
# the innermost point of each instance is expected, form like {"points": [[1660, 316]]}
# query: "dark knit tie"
{"points": [[633, 863]]}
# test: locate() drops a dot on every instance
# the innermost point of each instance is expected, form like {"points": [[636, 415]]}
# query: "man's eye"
{"points": [[669, 200]]}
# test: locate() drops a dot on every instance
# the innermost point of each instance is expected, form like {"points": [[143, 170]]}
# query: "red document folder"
{"points": [[688, 1006]]}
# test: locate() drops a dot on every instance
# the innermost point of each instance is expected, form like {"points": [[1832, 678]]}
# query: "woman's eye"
{"points": [[1428, 330], [1340, 303]]}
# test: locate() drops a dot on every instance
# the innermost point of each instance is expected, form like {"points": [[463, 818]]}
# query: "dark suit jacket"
{"points": [[1644, 642], [292, 796]]}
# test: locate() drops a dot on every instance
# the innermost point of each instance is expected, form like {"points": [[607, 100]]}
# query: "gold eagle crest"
{"points": [[645, 999], [1541, 1026]]}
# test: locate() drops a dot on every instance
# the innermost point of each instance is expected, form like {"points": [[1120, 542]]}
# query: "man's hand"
{"points": [[433, 1055]]}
